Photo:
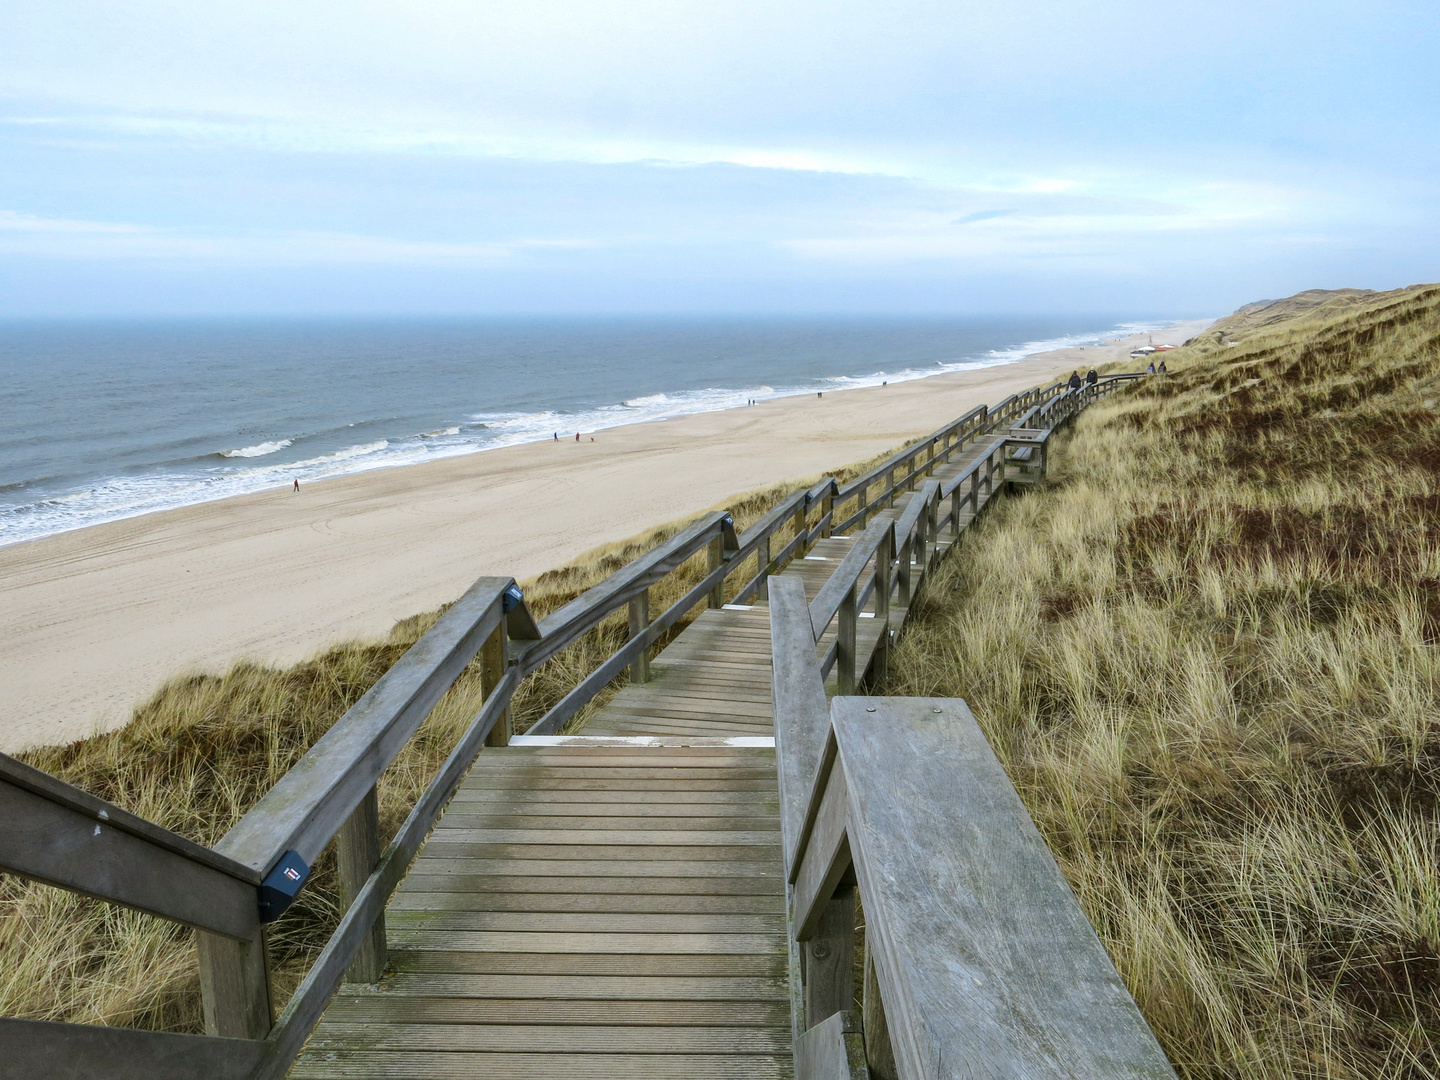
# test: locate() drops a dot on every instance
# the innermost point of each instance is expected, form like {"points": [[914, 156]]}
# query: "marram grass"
{"points": [[1208, 653]]}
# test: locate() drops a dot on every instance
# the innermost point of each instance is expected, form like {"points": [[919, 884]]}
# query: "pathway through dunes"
{"points": [[607, 905]]}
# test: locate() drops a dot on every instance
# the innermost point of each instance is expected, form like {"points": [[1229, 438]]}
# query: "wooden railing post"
{"points": [[357, 852], [639, 620], [492, 670], [763, 568], [235, 984], [879, 1057], [830, 959], [715, 558], [827, 504], [802, 525], [847, 617], [932, 529], [884, 558], [903, 568]]}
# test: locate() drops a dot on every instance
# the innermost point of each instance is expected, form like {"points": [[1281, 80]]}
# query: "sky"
{"points": [[160, 157]]}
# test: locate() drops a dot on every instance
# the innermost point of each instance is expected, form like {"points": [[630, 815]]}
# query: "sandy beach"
{"points": [[93, 621]]}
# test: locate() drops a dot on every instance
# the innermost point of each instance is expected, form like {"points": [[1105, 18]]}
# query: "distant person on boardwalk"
{"points": [[297, 485], [1092, 377], [1075, 380], [1151, 370], [1161, 369]]}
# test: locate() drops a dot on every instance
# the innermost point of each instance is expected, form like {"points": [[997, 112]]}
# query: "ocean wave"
{"points": [[439, 434], [648, 399], [259, 450]]}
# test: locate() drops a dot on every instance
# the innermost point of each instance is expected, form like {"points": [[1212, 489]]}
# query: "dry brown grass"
{"points": [[1208, 653], [206, 747]]}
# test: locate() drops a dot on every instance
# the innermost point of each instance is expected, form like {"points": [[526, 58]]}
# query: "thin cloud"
{"points": [[67, 239]]}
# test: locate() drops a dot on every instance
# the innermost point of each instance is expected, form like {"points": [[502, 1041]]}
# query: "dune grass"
{"points": [[1206, 653]]}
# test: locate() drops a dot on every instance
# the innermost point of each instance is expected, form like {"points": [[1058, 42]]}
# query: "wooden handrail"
{"points": [[978, 950], [60, 835]]}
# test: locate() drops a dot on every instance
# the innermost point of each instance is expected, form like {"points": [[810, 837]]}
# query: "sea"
{"points": [[107, 420]]}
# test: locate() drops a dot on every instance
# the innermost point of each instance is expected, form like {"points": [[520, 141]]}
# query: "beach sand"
{"points": [[93, 621]]}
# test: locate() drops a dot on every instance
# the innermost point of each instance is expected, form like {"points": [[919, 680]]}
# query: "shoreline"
{"points": [[95, 619]]}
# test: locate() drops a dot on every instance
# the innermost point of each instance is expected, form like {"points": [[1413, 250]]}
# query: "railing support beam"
{"points": [[639, 620], [235, 985], [357, 852], [492, 670], [830, 959]]}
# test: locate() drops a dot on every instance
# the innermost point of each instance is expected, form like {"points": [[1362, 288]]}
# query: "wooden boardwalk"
{"points": [[591, 910]]}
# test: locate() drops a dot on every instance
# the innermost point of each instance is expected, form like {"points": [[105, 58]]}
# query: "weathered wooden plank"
{"points": [[802, 712], [587, 922], [594, 987], [34, 1049], [528, 801], [623, 774], [984, 955], [402, 1009], [41, 783], [825, 856], [586, 943], [68, 846], [541, 1038], [767, 965], [431, 900], [833, 1049], [741, 760], [452, 874], [604, 817], [526, 840], [399, 1065], [522, 781], [664, 867], [357, 851], [442, 847]]}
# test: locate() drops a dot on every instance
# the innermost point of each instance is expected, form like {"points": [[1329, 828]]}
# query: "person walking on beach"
{"points": [[577, 436], [297, 485], [1092, 377], [1074, 380], [557, 436]]}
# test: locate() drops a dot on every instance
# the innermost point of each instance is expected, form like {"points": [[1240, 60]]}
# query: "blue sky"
{"points": [[674, 156]]}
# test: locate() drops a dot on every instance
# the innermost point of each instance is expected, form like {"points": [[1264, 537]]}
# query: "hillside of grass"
{"points": [[1207, 651]]}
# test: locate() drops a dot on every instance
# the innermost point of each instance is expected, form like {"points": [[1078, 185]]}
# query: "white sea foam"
{"points": [[114, 498], [259, 450]]}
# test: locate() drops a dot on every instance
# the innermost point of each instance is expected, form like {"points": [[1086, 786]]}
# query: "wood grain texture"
{"points": [[35, 1049], [986, 963]]}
